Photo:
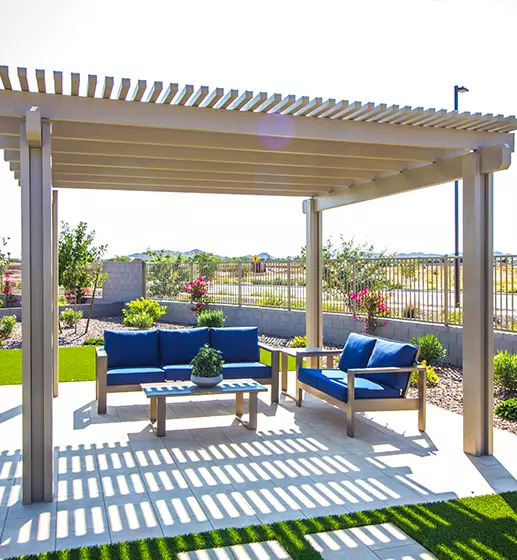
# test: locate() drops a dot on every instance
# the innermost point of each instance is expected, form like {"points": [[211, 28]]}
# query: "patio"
{"points": [[116, 481]]}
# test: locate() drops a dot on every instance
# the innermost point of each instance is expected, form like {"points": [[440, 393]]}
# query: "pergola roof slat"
{"points": [[241, 101], [172, 90], [348, 110], [343, 104], [199, 96], [227, 100], [297, 105], [252, 104], [22, 77], [283, 104], [325, 106], [141, 86], [371, 114], [58, 83], [4, 76], [108, 87], [76, 81], [125, 84], [213, 98], [155, 92], [311, 106], [92, 85]]}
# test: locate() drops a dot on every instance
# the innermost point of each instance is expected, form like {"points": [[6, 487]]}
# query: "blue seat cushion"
{"points": [[131, 349], [135, 375], [177, 372], [180, 346], [335, 385], [357, 351], [387, 353], [237, 344], [246, 370]]}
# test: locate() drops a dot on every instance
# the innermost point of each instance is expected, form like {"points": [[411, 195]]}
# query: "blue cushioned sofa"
{"points": [[373, 374], [130, 358]]}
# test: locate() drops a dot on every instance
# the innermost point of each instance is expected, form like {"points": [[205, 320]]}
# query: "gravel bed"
{"points": [[447, 394]]}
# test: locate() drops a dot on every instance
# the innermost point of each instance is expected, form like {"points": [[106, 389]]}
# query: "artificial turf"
{"points": [[75, 364], [478, 528]]}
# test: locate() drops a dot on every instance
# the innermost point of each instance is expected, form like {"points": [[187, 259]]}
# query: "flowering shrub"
{"points": [[197, 290], [369, 306]]}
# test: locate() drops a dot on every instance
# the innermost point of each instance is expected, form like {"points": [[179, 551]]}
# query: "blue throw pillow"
{"points": [[131, 348], [180, 346], [389, 353], [238, 344], [357, 351]]}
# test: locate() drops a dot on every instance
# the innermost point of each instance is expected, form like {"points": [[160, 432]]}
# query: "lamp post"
{"points": [[457, 291]]}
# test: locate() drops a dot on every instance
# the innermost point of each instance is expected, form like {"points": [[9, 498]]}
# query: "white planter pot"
{"points": [[206, 381]]}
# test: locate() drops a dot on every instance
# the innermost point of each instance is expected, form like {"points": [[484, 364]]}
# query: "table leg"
{"points": [[253, 406], [152, 410], [161, 417], [285, 366], [239, 404]]}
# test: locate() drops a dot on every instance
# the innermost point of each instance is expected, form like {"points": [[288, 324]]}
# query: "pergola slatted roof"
{"points": [[116, 134]]}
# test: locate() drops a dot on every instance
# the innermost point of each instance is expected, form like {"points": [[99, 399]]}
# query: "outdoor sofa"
{"points": [[130, 358], [373, 375]]}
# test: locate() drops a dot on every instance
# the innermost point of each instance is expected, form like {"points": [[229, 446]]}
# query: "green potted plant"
{"points": [[207, 367]]}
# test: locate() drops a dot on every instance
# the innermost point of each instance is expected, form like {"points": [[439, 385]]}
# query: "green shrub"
{"points": [[69, 317], [142, 312], [208, 362], [7, 325], [96, 341], [211, 318], [507, 409], [456, 316], [431, 349], [271, 299], [61, 300], [299, 342], [430, 374], [505, 370]]}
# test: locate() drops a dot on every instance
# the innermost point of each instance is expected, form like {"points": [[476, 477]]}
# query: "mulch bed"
{"points": [[447, 394]]}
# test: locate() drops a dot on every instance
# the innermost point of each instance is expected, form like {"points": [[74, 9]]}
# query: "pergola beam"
{"points": [[493, 158], [106, 111]]}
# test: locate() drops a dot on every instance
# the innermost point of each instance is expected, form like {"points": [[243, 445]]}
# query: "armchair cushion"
{"points": [[134, 375], [334, 383], [238, 344], [131, 349], [357, 351], [180, 346], [177, 372], [387, 353], [246, 370]]}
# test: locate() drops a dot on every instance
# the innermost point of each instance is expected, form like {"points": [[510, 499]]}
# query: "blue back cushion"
{"points": [[131, 348], [179, 347], [392, 354], [357, 351], [238, 344]]}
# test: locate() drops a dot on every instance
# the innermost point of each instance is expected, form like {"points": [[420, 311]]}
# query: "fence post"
{"points": [[289, 285], [354, 283], [191, 271], [446, 290], [239, 274]]}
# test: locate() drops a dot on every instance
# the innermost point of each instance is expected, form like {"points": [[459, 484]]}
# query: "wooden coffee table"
{"points": [[159, 392]]}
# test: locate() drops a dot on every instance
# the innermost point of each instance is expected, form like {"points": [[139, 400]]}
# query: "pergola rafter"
{"points": [[90, 132]]}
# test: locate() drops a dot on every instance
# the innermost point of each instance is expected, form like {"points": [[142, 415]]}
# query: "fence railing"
{"points": [[416, 288]]}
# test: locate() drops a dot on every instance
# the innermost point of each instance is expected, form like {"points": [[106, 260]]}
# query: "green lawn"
{"points": [[75, 364], [478, 528]]}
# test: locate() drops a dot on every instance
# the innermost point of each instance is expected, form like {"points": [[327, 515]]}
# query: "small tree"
{"points": [[166, 274], [198, 292]]}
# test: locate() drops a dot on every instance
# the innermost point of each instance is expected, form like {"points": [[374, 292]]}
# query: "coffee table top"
{"points": [[184, 388]]}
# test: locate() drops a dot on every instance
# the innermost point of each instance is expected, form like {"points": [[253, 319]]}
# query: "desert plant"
{"points": [[208, 362], [69, 317], [299, 342], [7, 325], [95, 341], [143, 311], [211, 318], [507, 409], [430, 374], [431, 349], [505, 370], [411, 311], [166, 274], [198, 292]]}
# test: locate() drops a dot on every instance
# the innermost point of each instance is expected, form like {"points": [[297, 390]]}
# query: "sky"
{"points": [[405, 52]]}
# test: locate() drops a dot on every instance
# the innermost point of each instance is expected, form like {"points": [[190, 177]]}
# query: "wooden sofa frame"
{"points": [[102, 388], [364, 405]]}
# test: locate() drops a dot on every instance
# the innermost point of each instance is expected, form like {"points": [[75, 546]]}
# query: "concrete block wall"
{"points": [[125, 281], [336, 327]]}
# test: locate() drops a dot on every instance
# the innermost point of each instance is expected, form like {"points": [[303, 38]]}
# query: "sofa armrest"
{"points": [[362, 371], [316, 352], [267, 347], [101, 376], [275, 370]]}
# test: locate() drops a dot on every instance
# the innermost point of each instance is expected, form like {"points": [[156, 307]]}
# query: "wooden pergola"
{"points": [[60, 131]]}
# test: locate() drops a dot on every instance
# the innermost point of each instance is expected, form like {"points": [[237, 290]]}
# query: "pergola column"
{"points": [[37, 324], [314, 246], [55, 291], [478, 339]]}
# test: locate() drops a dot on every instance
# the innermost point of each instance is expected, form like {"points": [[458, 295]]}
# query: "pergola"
{"points": [[64, 132]]}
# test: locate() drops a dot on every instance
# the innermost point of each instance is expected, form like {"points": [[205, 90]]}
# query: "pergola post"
{"points": [[478, 343], [37, 324], [55, 291], [314, 246]]}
